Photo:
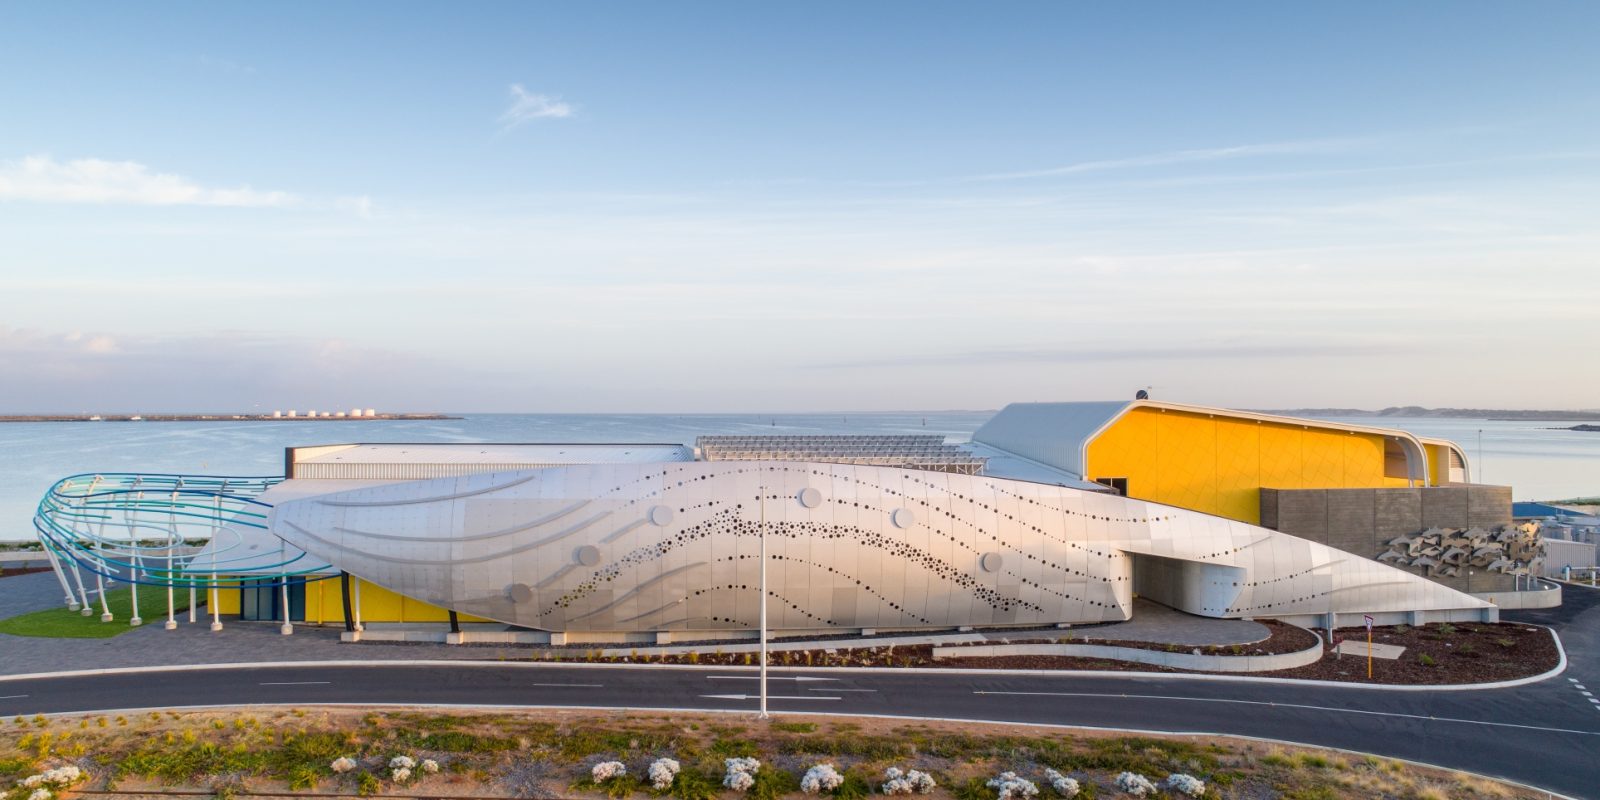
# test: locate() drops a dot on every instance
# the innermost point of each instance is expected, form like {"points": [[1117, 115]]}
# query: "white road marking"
{"points": [[12, 696], [582, 685], [1300, 705], [769, 697], [831, 689], [1574, 680], [1586, 694], [294, 683], [796, 678]]}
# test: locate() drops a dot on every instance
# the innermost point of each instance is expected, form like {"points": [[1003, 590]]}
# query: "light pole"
{"points": [[763, 631]]}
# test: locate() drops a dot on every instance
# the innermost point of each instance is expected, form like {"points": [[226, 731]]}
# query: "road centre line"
{"points": [[772, 678], [769, 697], [294, 683], [831, 689], [580, 685], [1298, 705], [12, 696]]}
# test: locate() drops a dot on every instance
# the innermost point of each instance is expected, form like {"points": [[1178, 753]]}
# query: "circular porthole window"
{"points": [[903, 518], [661, 516], [991, 562], [588, 555], [810, 497], [520, 592]]}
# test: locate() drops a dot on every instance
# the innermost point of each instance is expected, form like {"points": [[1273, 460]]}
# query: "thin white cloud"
{"points": [[42, 179], [527, 106], [1180, 157]]}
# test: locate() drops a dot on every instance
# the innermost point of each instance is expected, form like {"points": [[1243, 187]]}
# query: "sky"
{"points": [[681, 207]]}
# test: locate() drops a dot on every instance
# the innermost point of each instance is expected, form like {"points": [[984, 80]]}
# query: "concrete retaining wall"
{"points": [[1178, 660], [1548, 596]]}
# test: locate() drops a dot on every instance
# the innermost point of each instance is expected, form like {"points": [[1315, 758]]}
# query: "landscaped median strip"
{"points": [[244, 752], [1560, 667]]}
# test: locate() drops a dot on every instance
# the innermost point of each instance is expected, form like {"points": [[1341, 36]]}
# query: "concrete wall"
{"points": [[1362, 521], [1185, 659]]}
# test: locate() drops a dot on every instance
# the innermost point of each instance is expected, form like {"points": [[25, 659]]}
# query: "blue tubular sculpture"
{"points": [[146, 529]]}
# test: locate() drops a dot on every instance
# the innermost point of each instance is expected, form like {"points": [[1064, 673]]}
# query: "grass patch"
{"points": [[59, 623]]}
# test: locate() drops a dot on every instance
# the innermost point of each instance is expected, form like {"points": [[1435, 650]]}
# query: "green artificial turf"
{"points": [[59, 623]]}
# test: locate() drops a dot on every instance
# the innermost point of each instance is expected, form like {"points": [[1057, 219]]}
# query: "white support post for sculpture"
{"points": [[288, 627], [83, 593], [216, 613], [105, 606], [357, 604], [130, 520], [61, 575], [172, 549]]}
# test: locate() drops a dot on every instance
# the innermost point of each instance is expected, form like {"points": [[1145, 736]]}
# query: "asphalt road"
{"points": [[1545, 734]]}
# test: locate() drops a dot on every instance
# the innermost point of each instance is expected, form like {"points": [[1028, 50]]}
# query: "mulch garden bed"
{"points": [[1441, 653], [1435, 655]]}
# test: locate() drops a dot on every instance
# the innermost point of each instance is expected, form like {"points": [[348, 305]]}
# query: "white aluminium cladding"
{"points": [[673, 546]]}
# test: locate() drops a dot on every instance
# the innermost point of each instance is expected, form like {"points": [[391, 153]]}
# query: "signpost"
{"points": [[1368, 618]]}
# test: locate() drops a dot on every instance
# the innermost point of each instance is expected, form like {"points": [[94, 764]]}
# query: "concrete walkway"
{"points": [[253, 642]]}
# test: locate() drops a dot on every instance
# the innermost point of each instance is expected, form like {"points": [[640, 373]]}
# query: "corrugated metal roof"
{"points": [[1049, 433]]}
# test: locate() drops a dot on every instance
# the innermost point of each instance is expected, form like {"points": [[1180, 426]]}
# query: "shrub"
{"points": [[342, 764], [1135, 784], [606, 770], [1185, 784], [907, 782], [663, 771], [1063, 785], [821, 778], [740, 773], [1011, 787], [1426, 660]]}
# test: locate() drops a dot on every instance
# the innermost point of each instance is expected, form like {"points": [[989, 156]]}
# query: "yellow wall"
{"points": [[324, 604], [1218, 465]]}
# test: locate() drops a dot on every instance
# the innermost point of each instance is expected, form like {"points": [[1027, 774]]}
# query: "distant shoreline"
{"points": [[209, 418], [1414, 412]]}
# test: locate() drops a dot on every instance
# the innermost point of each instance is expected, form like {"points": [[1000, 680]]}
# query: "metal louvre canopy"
{"points": [[910, 451]]}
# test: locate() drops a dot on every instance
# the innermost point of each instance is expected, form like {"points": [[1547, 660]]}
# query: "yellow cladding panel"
{"points": [[1219, 464], [227, 600], [1239, 470], [1438, 461], [1126, 449], [1322, 459], [1363, 461], [1186, 462]]}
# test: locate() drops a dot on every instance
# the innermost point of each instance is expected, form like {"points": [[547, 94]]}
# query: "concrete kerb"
{"points": [[776, 712], [1560, 667], [1163, 658]]}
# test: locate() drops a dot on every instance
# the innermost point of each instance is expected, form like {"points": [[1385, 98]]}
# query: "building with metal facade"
{"points": [[649, 540]]}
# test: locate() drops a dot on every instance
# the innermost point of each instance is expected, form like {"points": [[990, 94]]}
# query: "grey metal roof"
{"points": [[1049, 433]]}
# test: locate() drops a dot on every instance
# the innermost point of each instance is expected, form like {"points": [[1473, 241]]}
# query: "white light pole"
{"points": [[763, 632]]}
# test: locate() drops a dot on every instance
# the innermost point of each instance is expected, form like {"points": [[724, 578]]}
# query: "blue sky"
{"points": [[736, 206]]}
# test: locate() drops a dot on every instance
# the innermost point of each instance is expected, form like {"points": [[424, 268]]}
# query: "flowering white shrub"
{"points": [[429, 766], [342, 764], [402, 762], [1187, 784], [606, 770], [821, 778], [741, 773], [907, 781], [1135, 784], [400, 774], [663, 771], [1064, 786], [1012, 787], [47, 783]]}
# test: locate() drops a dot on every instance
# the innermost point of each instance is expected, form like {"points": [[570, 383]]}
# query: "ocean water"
{"points": [[1539, 462]]}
